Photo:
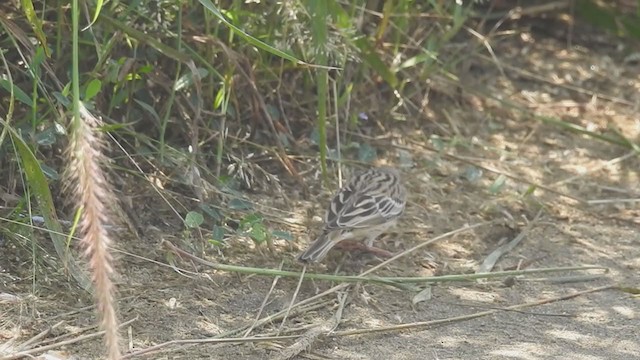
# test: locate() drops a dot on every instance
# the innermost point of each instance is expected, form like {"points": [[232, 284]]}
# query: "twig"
{"points": [[28, 353], [42, 334], [278, 316], [293, 299], [310, 336], [207, 341], [67, 335], [612, 201], [470, 316], [566, 279], [264, 302], [382, 280], [497, 274], [490, 261]]}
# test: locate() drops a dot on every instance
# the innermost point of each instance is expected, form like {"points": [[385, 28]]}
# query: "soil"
{"points": [[588, 197]]}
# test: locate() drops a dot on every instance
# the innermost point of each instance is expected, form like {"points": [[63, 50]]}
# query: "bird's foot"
{"points": [[353, 245], [381, 253]]}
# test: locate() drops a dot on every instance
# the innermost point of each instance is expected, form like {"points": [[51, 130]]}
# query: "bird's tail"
{"points": [[318, 249]]}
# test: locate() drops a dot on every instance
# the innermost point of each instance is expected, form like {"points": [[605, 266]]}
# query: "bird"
{"points": [[369, 204]]}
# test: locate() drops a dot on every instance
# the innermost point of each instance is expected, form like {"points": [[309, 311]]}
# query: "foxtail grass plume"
{"points": [[90, 191]]}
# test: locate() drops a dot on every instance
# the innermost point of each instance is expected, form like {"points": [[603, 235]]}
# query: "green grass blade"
{"points": [[318, 12], [250, 39], [17, 92], [153, 42], [99, 4], [36, 24], [373, 60], [39, 186]]}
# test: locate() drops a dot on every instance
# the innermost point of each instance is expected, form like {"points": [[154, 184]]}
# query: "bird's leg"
{"points": [[366, 246], [370, 239], [382, 253], [349, 245], [375, 250]]}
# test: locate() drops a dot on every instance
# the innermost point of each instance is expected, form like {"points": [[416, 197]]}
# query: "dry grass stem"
{"points": [[307, 339], [490, 261], [29, 353], [422, 324], [42, 334], [293, 298], [242, 340], [264, 302]]}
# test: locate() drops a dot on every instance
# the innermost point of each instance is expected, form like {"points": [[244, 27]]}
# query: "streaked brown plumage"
{"points": [[366, 206]]}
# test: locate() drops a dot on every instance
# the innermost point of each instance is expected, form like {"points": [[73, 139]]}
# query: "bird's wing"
{"points": [[370, 198], [351, 209]]}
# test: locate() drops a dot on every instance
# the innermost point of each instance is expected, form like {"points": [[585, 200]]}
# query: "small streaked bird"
{"points": [[365, 207]]}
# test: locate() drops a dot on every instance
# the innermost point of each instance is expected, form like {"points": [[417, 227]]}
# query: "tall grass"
{"points": [[92, 195], [234, 91]]}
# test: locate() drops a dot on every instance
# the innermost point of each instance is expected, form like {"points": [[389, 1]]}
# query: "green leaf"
{"points": [[373, 61], [240, 204], [498, 184], [147, 38], [61, 99], [49, 135], [437, 142], [405, 158], [259, 233], [285, 235], [342, 18], [366, 153], [250, 39], [472, 173], [597, 14], [36, 24], [424, 295], [212, 212], [251, 225], [17, 92], [36, 62], [219, 98], [629, 290], [115, 127], [98, 7], [632, 25], [217, 235], [187, 79], [93, 89], [148, 108], [314, 136], [427, 56], [39, 186], [530, 190], [66, 90], [193, 219], [250, 220], [50, 172]]}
